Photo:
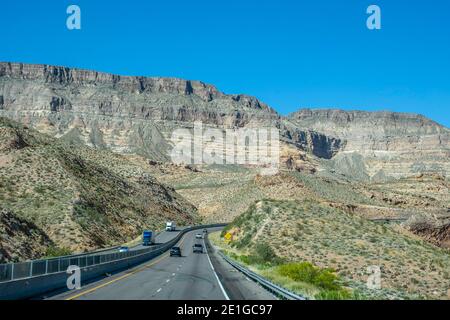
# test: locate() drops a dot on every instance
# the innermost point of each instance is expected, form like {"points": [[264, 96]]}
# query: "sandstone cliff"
{"points": [[379, 145], [133, 114], [137, 115]]}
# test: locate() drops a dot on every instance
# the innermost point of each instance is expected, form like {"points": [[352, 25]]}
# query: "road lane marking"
{"points": [[215, 274], [117, 279], [168, 280], [165, 255], [159, 290]]}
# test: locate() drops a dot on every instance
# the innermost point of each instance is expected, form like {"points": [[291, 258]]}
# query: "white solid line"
{"points": [[214, 271]]}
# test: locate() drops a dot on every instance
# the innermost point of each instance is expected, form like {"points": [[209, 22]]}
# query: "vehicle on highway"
{"points": [[175, 251], [148, 238], [205, 230], [171, 226], [197, 248], [124, 249], [198, 236]]}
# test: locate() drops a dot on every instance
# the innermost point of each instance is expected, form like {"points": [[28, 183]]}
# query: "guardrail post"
{"points": [[59, 264], [12, 271], [31, 269], [46, 266]]}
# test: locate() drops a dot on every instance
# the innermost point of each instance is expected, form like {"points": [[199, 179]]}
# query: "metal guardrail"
{"points": [[277, 290], [28, 269], [23, 270]]}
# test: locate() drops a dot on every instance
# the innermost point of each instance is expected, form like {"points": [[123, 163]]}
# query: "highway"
{"points": [[193, 276], [162, 237]]}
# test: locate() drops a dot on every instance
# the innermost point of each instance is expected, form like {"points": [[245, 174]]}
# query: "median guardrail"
{"points": [[275, 289], [28, 279]]}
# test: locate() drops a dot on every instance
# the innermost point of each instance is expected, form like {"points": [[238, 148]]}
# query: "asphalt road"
{"points": [[190, 277], [164, 236]]}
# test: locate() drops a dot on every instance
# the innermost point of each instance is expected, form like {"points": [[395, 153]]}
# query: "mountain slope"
{"points": [[328, 237], [80, 197], [16, 237]]}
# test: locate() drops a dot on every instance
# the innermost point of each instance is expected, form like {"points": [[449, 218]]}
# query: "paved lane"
{"points": [[190, 277]]}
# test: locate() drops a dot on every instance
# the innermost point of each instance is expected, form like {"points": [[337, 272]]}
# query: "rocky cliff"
{"points": [[133, 114], [137, 115], [379, 145]]}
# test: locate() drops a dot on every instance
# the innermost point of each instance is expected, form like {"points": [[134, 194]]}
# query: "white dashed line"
{"points": [[159, 290], [167, 280]]}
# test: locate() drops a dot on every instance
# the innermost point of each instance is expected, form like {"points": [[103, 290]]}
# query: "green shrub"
{"points": [[55, 251], [263, 254], [264, 251], [334, 295], [245, 259], [307, 272], [243, 242]]}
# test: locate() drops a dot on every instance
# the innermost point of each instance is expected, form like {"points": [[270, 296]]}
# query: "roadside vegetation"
{"points": [[302, 277], [54, 251], [323, 252]]}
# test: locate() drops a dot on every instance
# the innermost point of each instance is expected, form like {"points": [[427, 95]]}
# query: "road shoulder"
{"points": [[235, 283]]}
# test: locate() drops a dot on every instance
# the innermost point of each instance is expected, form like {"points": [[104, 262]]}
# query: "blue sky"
{"points": [[290, 54]]}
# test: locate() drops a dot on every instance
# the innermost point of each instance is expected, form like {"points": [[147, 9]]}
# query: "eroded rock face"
{"points": [[434, 232], [138, 115], [133, 114], [380, 145]]}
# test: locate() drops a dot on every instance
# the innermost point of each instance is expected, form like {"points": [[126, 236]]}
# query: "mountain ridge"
{"points": [[137, 115]]}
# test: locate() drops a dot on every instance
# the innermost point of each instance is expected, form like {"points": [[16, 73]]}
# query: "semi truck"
{"points": [[171, 226], [148, 238]]}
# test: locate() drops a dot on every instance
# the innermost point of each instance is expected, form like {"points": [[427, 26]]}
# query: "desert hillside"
{"points": [[76, 197], [330, 238]]}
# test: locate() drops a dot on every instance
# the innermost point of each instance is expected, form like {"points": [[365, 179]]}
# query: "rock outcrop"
{"points": [[133, 114], [138, 115], [380, 145]]}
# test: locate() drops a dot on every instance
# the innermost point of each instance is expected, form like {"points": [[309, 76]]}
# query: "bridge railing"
{"points": [[33, 268], [24, 280]]}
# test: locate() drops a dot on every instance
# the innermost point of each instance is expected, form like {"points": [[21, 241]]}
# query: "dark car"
{"points": [[205, 230], [197, 248], [175, 251]]}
